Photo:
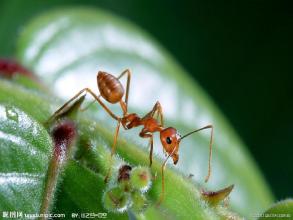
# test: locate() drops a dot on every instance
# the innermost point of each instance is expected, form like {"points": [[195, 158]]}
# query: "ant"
{"points": [[112, 90]]}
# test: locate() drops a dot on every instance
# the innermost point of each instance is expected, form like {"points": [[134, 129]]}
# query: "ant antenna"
{"points": [[210, 147]]}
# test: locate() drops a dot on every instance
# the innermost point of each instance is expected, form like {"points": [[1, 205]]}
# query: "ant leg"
{"points": [[151, 150], [59, 111], [210, 146], [115, 138], [128, 72], [163, 177], [157, 109], [144, 134], [210, 151], [102, 104], [159, 112], [113, 150], [97, 98]]}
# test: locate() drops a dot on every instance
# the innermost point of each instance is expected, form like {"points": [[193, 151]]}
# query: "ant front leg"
{"points": [[144, 134], [163, 177]]}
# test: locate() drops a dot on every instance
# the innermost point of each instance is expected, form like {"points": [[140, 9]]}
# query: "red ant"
{"points": [[112, 91]]}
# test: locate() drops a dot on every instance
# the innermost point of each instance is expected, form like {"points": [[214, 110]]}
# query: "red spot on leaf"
{"points": [[9, 68]]}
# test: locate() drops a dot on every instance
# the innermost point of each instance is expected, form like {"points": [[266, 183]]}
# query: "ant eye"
{"points": [[168, 140]]}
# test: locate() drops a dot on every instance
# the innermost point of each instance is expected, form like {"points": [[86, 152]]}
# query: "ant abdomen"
{"points": [[110, 87]]}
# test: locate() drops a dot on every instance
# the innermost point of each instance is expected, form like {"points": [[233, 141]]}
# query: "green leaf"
{"points": [[25, 150], [282, 209], [81, 189], [67, 47]]}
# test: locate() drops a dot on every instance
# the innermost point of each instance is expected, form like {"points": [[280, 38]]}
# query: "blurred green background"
{"points": [[239, 51]]}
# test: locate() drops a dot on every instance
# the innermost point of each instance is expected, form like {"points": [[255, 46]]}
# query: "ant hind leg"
{"points": [[163, 178], [62, 109]]}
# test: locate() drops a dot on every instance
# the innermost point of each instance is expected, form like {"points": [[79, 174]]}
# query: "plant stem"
{"points": [[63, 136]]}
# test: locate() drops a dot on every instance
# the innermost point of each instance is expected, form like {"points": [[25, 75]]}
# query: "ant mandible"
{"points": [[112, 91]]}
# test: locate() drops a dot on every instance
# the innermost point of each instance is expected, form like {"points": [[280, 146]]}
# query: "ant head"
{"points": [[170, 140]]}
